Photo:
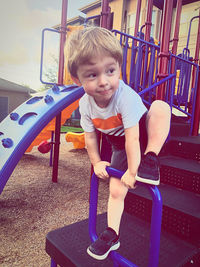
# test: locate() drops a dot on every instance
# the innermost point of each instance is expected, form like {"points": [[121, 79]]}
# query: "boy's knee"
{"points": [[160, 108], [117, 193]]}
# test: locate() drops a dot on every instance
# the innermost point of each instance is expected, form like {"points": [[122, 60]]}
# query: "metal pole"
{"points": [[177, 26], [60, 81], [137, 19], [176, 32], [148, 22], [164, 47], [104, 13], [195, 129]]}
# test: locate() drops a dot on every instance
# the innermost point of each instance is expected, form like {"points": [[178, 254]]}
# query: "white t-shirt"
{"points": [[123, 111]]}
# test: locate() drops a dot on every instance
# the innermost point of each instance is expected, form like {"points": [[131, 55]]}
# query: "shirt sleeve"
{"points": [[131, 108], [86, 122]]}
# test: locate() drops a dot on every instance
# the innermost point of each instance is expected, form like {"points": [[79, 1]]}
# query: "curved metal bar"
{"points": [[188, 37], [155, 220], [42, 52]]}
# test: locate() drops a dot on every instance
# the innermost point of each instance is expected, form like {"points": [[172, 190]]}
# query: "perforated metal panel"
{"points": [[180, 224], [182, 179]]}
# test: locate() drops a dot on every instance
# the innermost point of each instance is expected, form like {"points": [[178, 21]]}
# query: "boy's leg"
{"points": [[109, 239], [157, 126], [117, 195]]}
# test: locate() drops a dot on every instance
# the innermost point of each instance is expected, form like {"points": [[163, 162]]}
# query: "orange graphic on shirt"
{"points": [[109, 123]]}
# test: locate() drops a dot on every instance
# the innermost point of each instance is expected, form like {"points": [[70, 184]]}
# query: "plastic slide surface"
{"points": [[20, 128]]}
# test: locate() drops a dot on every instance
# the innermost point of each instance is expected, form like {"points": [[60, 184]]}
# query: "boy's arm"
{"points": [[132, 146], [93, 153]]}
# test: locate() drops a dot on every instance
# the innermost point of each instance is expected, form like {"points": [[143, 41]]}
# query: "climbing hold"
{"points": [[48, 99], [69, 87], [7, 142], [34, 99], [56, 89], [44, 147], [26, 116], [14, 116]]}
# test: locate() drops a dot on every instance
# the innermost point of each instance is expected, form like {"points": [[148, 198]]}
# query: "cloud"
{"points": [[21, 30]]}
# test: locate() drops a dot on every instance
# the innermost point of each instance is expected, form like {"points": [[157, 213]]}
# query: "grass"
{"points": [[66, 129]]}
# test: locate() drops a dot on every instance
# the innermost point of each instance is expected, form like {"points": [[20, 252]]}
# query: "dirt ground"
{"points": [[31, 205]]}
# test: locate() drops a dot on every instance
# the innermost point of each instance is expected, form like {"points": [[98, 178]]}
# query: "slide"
{"points": [[21, 127]]}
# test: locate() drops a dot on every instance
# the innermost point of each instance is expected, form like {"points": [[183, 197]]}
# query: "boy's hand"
{"points": [[128, 180], [100, 169]]}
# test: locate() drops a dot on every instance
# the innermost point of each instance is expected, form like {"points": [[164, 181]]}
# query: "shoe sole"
{"points": [[104, 256], [147, 181]]}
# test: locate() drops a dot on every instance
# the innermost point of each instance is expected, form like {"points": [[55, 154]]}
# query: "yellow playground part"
{"points": [[78, 139], [45, 134]]}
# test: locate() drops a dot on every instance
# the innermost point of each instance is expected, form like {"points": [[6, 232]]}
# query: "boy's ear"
{"points": [[76, 81]]}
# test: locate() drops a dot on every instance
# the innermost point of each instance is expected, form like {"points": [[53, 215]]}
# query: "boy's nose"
{"points": [[102, 80]]}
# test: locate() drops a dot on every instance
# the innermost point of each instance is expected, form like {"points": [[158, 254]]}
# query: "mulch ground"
{"points": [[31, 205]]}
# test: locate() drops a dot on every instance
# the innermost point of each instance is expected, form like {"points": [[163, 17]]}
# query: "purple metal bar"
{"points": [[164, 46], [145, 66], [132, 66], [42, 53], [188, 38], [92, 17], [195, 129], [155, 220], [125, 53], [60, 81], [53, 263], [135, 67], [52, 148]]}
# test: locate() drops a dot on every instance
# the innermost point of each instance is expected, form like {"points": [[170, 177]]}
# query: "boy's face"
{"points": [[99, 78]]}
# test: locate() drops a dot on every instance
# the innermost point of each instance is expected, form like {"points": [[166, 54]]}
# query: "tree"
{"points": [[50, 73]]}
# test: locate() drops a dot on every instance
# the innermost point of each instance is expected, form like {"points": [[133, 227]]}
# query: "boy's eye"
{"points": [[110, 71], [91, 75]]}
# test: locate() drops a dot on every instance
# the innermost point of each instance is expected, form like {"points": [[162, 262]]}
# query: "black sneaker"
{"points": [[106, 242], [148, 171]]}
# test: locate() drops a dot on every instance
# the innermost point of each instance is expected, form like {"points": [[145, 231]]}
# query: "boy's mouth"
{"points": [[105, 92]]}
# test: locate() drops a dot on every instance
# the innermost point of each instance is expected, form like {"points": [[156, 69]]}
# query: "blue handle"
{"points": [[114, 172], [155, 219]]}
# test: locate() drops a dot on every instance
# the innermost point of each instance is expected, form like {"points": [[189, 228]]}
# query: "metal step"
{"points": [[68, 245], [181, 173], [181, 210], [187, 147], [180, 129]]}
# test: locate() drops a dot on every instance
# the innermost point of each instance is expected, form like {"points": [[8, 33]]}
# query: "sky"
{"points": [[21, 25]]}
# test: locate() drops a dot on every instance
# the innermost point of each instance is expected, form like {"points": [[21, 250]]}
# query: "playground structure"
{"points": [[151, 70]]}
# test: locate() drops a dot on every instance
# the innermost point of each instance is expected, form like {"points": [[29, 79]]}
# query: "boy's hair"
{"points": [[82, 45]]}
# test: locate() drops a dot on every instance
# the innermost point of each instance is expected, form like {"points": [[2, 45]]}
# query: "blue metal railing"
{"points": [[155, 221], [140, 69], [184, 91]]}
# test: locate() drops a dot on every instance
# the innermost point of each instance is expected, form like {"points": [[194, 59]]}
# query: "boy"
{"points": [[94, 58]]}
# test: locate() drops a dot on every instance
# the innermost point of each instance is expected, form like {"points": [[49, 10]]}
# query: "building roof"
{"points": [[160, 3], [91, 6], [73, 21], [10, 86]]}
